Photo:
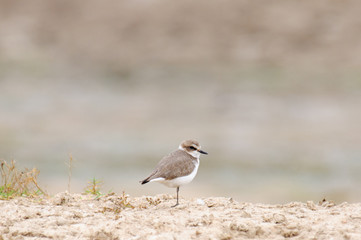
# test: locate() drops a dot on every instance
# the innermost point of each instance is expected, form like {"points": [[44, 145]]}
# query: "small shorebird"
{"points": [[179, 167]]}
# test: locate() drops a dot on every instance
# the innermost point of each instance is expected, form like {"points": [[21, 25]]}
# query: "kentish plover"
{"points": [[179, 167]]}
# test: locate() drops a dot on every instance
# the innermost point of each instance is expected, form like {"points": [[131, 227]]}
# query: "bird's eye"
{"points": [[193, 148]]}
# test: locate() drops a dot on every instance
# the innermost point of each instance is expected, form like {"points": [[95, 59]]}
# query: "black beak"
{"points": [[203, 152]]}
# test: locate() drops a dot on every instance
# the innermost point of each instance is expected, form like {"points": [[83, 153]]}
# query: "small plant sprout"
{"points": [[93, 188]]}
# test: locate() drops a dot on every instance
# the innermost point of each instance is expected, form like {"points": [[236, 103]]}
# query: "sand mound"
{"points": [[76, 216]]}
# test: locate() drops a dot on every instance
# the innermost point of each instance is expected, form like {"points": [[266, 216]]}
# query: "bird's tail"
{"points": [[144, 181]]}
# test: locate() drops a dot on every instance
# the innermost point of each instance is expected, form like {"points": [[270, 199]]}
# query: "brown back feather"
{"points": [[173, 165]]}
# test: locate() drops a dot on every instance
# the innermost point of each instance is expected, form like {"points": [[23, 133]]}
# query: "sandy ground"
{"points": [[76, 216]]}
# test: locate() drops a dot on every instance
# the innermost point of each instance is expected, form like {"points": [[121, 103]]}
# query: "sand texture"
{"points": [[77, 216]]}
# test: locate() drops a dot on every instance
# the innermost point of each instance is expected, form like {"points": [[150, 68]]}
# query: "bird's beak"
{"points": [[203, 152]]}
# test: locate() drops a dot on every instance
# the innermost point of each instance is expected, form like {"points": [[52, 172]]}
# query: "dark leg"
{"points": [[177, 198]]}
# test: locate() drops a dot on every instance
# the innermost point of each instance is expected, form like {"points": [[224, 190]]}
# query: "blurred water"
{"points": [[271, 137], [119, 85]]}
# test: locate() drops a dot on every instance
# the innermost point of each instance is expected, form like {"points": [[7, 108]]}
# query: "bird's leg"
{"points": [[177, 198]]}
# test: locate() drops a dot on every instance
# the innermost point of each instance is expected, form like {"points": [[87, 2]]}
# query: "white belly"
{"points": [[176, 182]]}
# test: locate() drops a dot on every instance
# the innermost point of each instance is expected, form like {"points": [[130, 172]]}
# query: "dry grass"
{"points": [[120, 203], [153, 201], [16, 183], [70, 167]]}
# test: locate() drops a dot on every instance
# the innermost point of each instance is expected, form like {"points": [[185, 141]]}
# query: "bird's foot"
{"points": [[175, 204]]}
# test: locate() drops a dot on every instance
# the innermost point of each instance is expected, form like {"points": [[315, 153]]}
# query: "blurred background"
{"points": [[271, 89]]}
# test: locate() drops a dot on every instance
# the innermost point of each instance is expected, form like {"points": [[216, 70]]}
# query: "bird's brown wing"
{"points": [[176, 164]]}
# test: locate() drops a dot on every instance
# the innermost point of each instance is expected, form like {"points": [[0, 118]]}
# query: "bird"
{"points": [[178, 167]]}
